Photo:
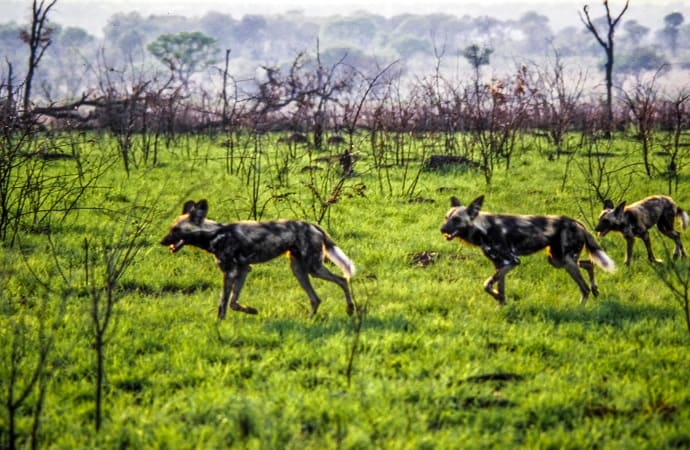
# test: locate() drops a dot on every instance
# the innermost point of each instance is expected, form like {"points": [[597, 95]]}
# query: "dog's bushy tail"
{"points": [[337, 256], [340, 259], [683, 216], [597, 254]]}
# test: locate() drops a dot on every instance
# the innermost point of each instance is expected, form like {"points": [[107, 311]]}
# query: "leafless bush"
{"points": [[30, 322], [642, 102], [105, 263], [496, 119], [675, 274], [675, 114], [557, 94]]}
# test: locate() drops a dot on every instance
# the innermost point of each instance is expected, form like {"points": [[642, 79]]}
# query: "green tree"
{"points": [[184, 53], [477, 57]]}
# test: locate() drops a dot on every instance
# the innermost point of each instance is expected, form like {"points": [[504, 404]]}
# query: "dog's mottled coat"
{"points": [[505, 237], [238, 245], [636, 219]]}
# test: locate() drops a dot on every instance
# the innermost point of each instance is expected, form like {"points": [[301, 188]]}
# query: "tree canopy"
{"points": [[184, 53]]}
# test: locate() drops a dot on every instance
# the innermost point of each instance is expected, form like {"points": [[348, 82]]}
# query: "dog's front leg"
{"points": [[498, 276], [229, 277], [236, 288], [629, 241], [648, 245]]}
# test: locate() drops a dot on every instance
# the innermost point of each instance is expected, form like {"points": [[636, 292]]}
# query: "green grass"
{"points": [[438, 363]]}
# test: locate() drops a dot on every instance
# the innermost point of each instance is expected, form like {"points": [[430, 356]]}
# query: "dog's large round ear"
{"points": [[188, 206], [201, 208], [608, 204], [475, 206], [454, 202], [620, 208]]}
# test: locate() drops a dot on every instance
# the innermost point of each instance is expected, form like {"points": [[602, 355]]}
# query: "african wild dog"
{"points": [[636, 219], [504, 237], [238, 245]]}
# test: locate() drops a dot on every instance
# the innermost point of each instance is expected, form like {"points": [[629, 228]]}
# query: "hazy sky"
{"points": [[93, 14]]}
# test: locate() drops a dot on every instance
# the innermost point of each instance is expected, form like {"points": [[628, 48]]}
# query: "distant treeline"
{"points": [[363, 40]]}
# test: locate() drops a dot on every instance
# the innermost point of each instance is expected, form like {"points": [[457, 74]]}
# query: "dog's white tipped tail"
{"points": [[683, 216], [603, 260], [341, 260]]}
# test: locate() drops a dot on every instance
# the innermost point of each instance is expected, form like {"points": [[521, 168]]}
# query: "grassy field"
{"points": [[431, 361]]}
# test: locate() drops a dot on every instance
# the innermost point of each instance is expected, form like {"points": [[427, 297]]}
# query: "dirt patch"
{"points": [[423, 259], [437, 162]]}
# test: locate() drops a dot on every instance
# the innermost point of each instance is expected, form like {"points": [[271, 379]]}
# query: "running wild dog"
{"points": [[637, 219], [503, 238], [238, 245]]}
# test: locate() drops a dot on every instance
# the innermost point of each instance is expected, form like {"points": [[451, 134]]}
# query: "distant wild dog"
{"points": [[504, 237], [635, 220], [238, 245]]}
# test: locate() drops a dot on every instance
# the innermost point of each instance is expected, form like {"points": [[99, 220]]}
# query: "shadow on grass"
{"points": [[135, 287], [609, 311], [320, 326]]}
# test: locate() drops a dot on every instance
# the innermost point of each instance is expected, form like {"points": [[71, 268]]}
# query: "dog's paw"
{"points": [[249, 310]]}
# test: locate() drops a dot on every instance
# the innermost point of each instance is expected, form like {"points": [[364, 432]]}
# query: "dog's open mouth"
{"points": [[176, 246], [450, 236]]}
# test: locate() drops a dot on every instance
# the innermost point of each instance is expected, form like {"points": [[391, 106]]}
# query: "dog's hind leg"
{"points": [[573, 270], [325, 274], [589, 268], [675, 236], [303, 278]]}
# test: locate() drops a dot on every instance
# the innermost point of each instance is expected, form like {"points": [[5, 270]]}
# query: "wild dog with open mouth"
{"points": [[238, 245], [637, 219], [505, 237]]}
